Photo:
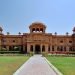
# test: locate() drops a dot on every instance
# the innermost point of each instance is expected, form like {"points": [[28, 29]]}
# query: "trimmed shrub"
{"points": [[44, 53]]}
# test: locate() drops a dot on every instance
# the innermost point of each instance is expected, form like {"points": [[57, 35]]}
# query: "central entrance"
{"points": [[37, 49]]}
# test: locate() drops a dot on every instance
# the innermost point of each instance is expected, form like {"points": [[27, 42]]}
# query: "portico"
{"points": [[37, 48]]}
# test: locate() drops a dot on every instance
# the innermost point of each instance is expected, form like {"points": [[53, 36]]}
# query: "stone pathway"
{"points": [[36, 65]]}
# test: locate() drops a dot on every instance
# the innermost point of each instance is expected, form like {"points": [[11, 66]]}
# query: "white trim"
{"points": [[17, 72], [53, 67]]}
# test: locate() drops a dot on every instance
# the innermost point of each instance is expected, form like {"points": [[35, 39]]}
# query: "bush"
{"points": [[6, 52], [3, 49], [44, 53], [31, 53]]}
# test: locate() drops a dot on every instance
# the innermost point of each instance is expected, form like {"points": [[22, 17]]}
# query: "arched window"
{"points": [[31, 48], [52, 48], [58, 49], [48, 48], [43, 48], [33, 30], [61, 48], [41, 29], [70, 49], [64, 48], [37, 29]]}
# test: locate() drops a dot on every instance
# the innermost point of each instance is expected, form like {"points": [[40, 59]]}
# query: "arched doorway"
{"points": [[37, 49]]}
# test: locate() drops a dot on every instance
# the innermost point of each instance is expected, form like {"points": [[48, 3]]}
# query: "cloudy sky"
{"points": [[17, 15]]}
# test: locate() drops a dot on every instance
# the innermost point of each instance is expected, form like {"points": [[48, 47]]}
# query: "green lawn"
{"points": [[65, 64], [9, 64]]}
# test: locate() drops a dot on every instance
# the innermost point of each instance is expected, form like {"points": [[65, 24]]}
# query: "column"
{"points": [[46, 48], [31, 30], [55, 48], [28, 48], [67, 48], [24, 48], [41, 47], [44, 30], [63, 48], [7, 47], [39, 29], [20, 48], [34, 48], [50, 48]]}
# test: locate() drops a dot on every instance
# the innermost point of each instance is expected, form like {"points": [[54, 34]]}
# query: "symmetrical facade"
{"points": [[38, 41]]}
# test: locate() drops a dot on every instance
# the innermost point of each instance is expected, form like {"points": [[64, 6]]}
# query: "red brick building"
{"points": [[38, 41]]}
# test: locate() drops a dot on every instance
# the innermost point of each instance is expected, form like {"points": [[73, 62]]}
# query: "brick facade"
{"points": [[38, 41]]}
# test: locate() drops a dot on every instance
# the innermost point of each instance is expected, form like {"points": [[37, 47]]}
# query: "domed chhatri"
{"points": [[1, 29], [37, 24], [37, 27], [74, 29]]}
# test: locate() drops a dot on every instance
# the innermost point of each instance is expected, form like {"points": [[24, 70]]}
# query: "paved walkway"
{"points": [[36, 65]]}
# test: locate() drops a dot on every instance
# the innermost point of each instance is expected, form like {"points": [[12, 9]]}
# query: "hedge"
{"points": [[2, 52]]}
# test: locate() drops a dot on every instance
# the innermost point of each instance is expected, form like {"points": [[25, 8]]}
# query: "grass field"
{"points": [[9, 64], [65, 64]]}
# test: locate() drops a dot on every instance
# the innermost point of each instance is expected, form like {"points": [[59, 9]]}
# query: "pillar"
{"points": [[28, 48], [39, 29], [41, 48], [34, 48], [51, 48], [24, 48], [7, 47], [67, 48], [30, 30], [55, 48], [43, 30], [20, 48], [63, 49], [46, 48]]}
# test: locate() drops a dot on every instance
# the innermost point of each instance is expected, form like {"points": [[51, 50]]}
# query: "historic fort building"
{"points": [[38, 41]]}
